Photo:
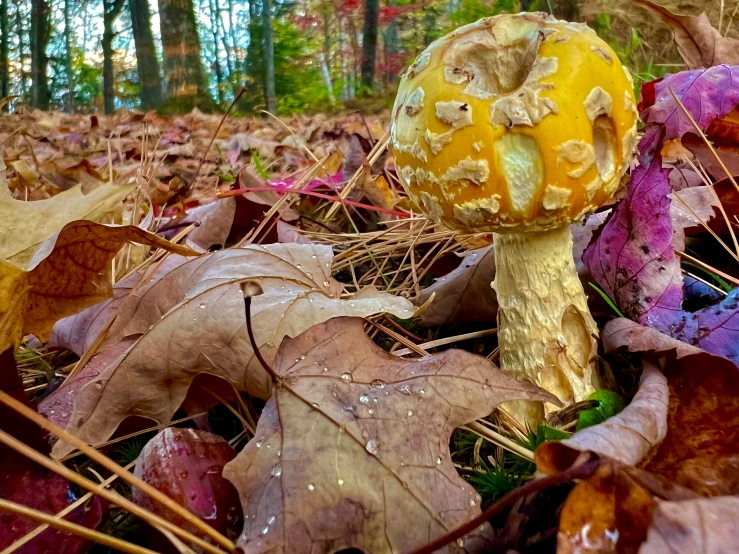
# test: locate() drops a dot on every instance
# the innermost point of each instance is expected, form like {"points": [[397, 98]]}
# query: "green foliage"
{"points": [[610, 404], [471, 10], [630, 51], [496, 481], [500, 476]]}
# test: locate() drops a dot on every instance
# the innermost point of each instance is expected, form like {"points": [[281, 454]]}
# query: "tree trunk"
{"points": [[270, 97], [369, 43], [391, 48], [4, 73], [21, 47], [111, 10], [150, 83], [216, 61], [183, 68], [40, 32], [69, 104]]}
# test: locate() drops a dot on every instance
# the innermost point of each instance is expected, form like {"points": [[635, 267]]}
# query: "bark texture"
{"points": [[40, 33], [69, 104], [546, 333], [369, 43], [4, 75], [270, 97], [150, 82], [183, 69], [111, 10]]}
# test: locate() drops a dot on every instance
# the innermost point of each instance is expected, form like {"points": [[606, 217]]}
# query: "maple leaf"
{"points": [[192, 321], [70, 271], [27, 224], [352, 449]]}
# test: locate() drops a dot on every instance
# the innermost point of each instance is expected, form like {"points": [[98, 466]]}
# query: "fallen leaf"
{"points": [[192, 321], [58, 405], [51, 492], [699, 526], [78, 332], [632, 259], [69, 272], [698, 452], [707, 94], [28, 224], [626, 437], [608, 512], [464, 294], [352, 450], [698, 42], [186, 465]]}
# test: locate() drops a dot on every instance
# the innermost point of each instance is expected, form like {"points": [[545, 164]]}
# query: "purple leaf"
{"points": [[632, 259], [705, 93]]}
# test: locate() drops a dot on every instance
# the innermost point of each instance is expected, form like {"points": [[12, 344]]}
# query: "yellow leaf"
{"points": [[25, 225], [70, 271]]}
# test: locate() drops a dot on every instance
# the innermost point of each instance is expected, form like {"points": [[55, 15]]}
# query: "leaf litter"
{"points": [[153, 338]]}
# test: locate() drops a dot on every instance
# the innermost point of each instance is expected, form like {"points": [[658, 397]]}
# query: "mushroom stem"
{"points": [[546, 333]]}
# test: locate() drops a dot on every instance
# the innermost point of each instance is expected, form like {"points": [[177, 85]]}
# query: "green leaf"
{"points": [[610, 404]]}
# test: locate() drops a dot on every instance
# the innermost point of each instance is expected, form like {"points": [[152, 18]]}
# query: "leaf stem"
{"points": [[276, 379]]}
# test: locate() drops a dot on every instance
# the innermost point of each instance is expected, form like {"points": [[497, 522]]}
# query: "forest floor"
{"points": [[214, 302]]}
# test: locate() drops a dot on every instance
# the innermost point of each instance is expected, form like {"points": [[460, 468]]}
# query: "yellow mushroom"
{"points": [[520, 125]]}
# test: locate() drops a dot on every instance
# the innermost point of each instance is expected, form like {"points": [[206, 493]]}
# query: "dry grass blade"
{"points": [[704, 265], [110, 465], [500, 440], [374, 155], [448, 340], [74, 529], [100, 490], [136, 434], [60, 515]]}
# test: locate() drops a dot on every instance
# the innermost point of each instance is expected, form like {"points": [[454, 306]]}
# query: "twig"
{"points": [[499, 440]]}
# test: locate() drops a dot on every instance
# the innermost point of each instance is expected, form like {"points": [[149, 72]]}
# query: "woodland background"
{"points": [[289, 56]]}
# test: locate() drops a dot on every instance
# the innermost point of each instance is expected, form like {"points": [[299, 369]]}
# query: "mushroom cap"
{"points": [[514, 123]]}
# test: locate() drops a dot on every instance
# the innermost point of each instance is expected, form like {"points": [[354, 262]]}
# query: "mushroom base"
{"points": [[546, 333]]}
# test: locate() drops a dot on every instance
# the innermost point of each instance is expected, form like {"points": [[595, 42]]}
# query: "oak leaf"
{"points": [[192, 321], [69, 272], [27, 224], [352, 450]]}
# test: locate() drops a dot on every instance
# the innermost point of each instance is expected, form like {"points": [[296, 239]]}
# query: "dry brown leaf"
{"points": [[699, 450], [626, 437], [698, 42], [27, 224], [192, 321], [352, 450], [69, 272], [700, 526], [465, 293], [77, 332]]}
